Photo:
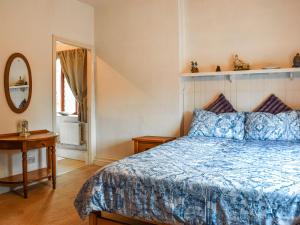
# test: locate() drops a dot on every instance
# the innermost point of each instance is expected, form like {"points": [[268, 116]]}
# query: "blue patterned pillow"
{"points": [[267, 126], [225, 125]]}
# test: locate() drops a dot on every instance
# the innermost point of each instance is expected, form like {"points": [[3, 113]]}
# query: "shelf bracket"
{"points": [[291, 76], [228, 77]]}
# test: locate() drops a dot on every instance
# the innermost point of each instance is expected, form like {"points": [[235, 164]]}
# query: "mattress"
{"points": [[201, 181]]}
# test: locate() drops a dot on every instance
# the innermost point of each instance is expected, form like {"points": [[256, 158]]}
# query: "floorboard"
{"points": [[45, 206]]}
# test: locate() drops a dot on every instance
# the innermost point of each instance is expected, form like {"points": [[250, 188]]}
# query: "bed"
{"points": [[201, 180]]}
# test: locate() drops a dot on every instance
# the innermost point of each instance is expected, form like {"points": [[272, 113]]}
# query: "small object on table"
{"points": [[37, 140], [239, 64], [194, 68], [24, 128], [296, 61], [218, 69], [145, 143]]}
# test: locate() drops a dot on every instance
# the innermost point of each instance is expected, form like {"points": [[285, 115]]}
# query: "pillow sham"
{"points": [[210, 124], [266, 126], [220, 105], [273, 105]]}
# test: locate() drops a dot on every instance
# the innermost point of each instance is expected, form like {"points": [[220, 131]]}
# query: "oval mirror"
{"points": [[17, 82]]}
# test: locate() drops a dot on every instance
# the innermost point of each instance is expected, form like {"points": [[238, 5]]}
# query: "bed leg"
{"points": [[93, 219]]}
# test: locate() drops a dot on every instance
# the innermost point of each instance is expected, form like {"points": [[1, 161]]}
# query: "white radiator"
{"points": [[70, 133]]}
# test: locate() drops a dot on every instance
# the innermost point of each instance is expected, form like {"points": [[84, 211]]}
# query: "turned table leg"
{"points": [[48, 151], [53, 159], [25, 178]]}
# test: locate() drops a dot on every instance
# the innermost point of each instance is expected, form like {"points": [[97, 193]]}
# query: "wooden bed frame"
{"points": [[96, 218]]}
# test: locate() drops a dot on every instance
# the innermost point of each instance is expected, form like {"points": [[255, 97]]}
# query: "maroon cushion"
{"points": [[273, 105], [220, 105]]}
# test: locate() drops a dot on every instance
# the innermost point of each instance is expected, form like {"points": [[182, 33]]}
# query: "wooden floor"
{"points": [[45, 206], [67, 165]]}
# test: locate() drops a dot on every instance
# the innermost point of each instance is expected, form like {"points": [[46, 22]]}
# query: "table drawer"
{"points": [[145, 143], [143, 146], [40, 144]]}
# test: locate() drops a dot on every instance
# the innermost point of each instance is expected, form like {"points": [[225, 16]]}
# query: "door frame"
{"points": [[91, 142]]}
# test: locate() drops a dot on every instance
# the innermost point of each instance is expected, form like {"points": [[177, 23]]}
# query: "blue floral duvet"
{"points": [[201, 181]]}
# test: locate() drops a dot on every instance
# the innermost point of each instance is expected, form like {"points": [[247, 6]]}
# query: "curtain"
{"points": [[74, 67]]}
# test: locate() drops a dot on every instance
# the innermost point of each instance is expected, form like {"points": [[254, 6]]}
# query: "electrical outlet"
{"points": [[31, 160]]}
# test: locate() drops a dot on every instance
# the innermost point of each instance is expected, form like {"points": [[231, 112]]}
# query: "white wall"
{"points": [[27, 27], [142, 46], [263, 33], [138, 56], [137, 87]]}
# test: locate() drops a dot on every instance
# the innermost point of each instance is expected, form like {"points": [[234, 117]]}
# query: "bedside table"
{"points": [[144, 143]]}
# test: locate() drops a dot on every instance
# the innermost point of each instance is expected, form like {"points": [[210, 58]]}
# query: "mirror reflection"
{"points": [[19, 83]]}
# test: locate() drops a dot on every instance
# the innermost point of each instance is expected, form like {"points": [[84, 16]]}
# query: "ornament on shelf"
{"points": [[218, 69], [194, 68], [296, 61], [238, 64], [21, 81]]}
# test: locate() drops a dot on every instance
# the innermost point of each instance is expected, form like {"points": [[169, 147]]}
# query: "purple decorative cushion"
{"points": [[220, 105], [273, 105]]}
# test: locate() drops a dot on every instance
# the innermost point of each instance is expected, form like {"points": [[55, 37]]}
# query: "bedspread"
{"points": [[201, 181]]}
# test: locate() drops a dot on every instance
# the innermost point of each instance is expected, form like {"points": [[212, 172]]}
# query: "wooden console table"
{"points": [[37, 140]]}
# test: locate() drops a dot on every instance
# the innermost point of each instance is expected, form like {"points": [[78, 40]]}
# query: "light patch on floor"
{"points": [[67, 165]]}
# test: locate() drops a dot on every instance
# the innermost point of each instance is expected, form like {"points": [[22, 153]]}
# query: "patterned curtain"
{"points": [[74, 67]]}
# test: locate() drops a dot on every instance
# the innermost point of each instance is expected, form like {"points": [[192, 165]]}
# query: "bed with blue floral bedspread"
{"points": [[200, 180]]}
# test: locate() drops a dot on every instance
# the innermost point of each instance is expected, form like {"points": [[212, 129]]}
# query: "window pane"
{"points": [[70, 101]]}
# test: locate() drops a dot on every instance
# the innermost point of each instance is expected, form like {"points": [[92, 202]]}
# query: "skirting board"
{"points": [[103, 161], [4, 190]]}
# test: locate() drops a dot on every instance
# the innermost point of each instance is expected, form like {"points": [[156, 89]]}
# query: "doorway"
{"points": [[72, 65]]}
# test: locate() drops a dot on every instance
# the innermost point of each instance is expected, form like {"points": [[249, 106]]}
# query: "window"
{"points": [[65, 100]]}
